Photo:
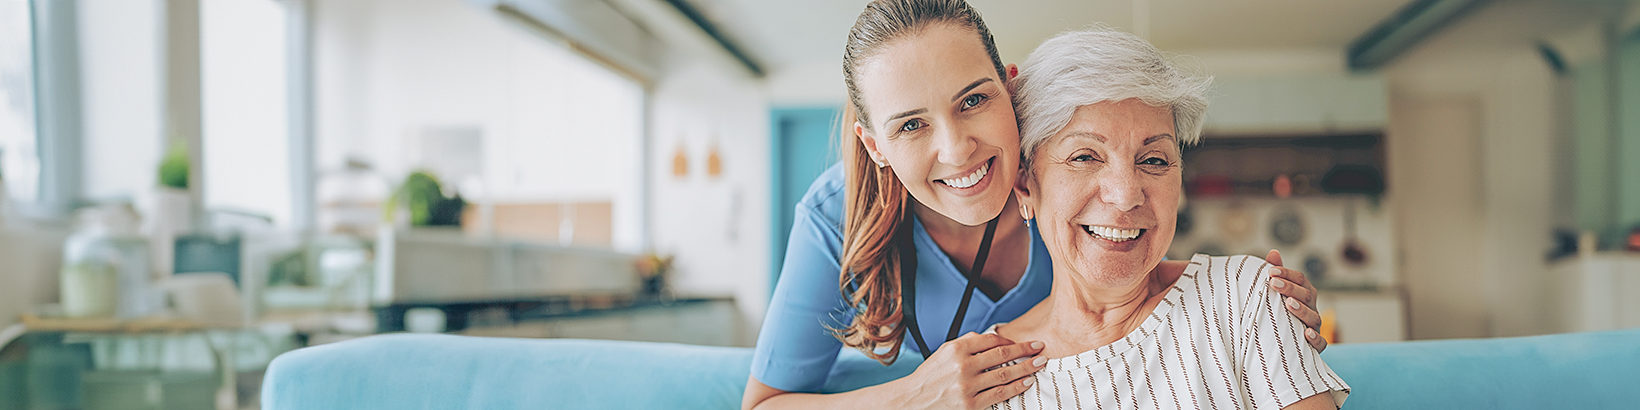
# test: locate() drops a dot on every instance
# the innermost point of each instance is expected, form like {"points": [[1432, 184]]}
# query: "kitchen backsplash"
{"points": [[1313, 233]]}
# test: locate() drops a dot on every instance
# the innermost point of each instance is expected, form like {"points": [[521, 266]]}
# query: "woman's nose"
{"points": [[1119, 187], [954, 146]]}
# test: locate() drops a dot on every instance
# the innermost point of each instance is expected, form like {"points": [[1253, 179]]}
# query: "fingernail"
{"points": [[1292, 303], [1278, 284], [1036, 345], [1040, 361], [1310, 333], [1030, 381], [1272, 272]]}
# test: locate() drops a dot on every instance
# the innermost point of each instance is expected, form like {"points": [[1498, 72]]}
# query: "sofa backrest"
{"points": [[1591, 370], [420, 371], [417, 371]]}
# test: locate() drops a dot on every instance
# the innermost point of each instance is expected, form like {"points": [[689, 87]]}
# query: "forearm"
{"points": [[879, 396], [1320, 401]]}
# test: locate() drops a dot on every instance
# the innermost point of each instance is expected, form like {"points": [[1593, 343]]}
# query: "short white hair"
{"points": [[1099, 64]]}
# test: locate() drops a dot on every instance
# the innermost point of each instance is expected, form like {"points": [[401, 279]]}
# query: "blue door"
{"points": [[804, 146]]}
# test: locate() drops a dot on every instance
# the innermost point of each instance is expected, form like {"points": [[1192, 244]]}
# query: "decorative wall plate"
{"points": [[1235, 224], [1286, 226], [1315, 268]]}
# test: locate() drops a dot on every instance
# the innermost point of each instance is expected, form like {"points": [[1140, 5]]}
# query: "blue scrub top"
{"points": [[796, 349]]}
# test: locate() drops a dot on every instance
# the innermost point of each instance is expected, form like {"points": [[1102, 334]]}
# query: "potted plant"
{"points": [[422, 196]]}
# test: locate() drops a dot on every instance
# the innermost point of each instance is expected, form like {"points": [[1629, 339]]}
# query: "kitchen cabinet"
{"points": [[1366, 316], [430, 265], [697, 321], [1597, 292], [1297, 104]]}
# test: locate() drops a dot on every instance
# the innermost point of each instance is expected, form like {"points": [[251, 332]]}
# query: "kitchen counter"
{"points": [[696, 320], [1599, 291]]}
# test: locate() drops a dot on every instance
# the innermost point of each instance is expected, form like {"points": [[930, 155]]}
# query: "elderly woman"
{"points": [[1103, 115]]}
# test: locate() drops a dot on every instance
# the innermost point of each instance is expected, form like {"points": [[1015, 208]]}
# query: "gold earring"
{"points": [[1025, 212]]}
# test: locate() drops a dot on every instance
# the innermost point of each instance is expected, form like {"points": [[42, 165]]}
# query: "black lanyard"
{"points": [[908, 282]]}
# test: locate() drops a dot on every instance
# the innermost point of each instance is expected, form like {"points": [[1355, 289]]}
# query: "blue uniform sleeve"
{"points": [[795, 349]]}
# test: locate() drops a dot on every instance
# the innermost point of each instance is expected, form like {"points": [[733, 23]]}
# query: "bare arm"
{"points": [[1320, 401], [761, 396], [955, 376]]}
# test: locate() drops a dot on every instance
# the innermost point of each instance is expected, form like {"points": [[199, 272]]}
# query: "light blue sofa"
{"points": [[410, 371]]}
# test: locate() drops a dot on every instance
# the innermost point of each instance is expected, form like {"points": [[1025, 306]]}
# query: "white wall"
{"points": [[1522, 137], [556, 126], [717, 227], [1473, 138], [1266, 62], [807, 85], [1435, 166]]}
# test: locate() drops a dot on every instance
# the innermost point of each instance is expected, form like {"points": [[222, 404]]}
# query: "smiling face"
{"points": [[1105, 191], [943, 120]]}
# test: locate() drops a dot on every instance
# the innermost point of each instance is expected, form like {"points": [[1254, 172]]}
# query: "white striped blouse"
{"points": [[1219, 340]]}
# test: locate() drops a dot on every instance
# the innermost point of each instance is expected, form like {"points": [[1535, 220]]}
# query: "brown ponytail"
{"points": [[870, 280], [876, 201]]}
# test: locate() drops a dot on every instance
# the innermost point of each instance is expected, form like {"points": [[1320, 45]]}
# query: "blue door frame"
{"points": [[803, 146]]}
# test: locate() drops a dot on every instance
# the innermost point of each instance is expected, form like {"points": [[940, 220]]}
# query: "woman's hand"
{"points": [[1300, 298], [956, 375]]}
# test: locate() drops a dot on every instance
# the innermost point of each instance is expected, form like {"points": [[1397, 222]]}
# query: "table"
{"points": [[149, 363]]}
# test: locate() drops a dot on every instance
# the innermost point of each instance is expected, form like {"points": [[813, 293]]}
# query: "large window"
{"points": [[245, 119], [120, 98], [538, 135], [19, 156]]}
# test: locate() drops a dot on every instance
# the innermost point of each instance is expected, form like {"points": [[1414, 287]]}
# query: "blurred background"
{"points": [[190, 187]]}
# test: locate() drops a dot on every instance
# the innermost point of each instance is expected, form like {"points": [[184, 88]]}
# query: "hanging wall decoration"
{"points": [[680, 162], [714, 162]]}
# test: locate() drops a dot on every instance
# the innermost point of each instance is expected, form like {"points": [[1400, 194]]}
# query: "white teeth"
{"points": [[1113, 234], [971, 179]]}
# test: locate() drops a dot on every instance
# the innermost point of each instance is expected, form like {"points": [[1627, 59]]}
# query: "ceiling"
{"points": [[1508, 23], [786, 33]]}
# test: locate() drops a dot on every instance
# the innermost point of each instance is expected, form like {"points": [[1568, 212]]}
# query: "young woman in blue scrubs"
{"points": [[930, 156]]}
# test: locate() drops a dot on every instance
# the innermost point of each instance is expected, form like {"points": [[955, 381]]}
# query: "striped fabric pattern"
{"points": [[1219, 339]]}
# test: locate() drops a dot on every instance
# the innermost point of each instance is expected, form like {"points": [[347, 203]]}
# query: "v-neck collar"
{"points": [[1186, 283], [926, 242]]}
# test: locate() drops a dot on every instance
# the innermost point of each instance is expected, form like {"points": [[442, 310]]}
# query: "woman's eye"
{"points": [[973, 101], [1083, 158], [912, 125], [1155, 161]]}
